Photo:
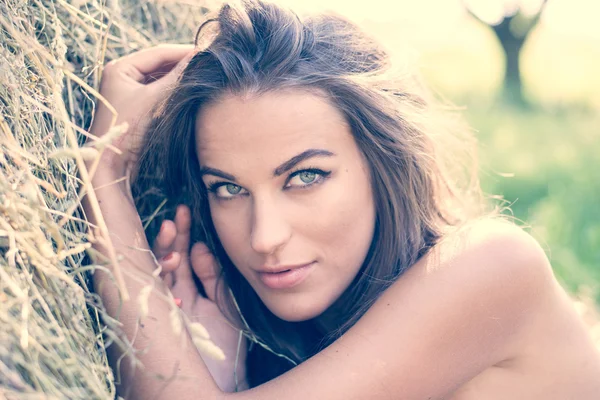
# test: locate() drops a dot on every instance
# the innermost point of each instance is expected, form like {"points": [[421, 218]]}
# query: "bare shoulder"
{"points": [[491, 275], [491, 248], [495, 237]]}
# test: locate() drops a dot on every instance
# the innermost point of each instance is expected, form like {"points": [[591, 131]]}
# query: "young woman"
{"points": [[318, 208]]}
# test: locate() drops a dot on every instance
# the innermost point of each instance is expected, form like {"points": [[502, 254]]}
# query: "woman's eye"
{"points": [[225, 190], [232, 189], [306, 178]]}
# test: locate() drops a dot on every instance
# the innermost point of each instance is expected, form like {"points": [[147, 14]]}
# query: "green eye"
{"points": [[232, 189], [225, 190], [307, 176]]}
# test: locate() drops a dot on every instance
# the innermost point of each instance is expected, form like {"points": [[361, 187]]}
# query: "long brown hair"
{"points": [[418, 185]]}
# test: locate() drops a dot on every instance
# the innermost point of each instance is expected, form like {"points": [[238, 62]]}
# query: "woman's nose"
{"points": [[270, 230]]}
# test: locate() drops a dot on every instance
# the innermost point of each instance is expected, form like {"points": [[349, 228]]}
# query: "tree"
{"points": [[512, 29]]}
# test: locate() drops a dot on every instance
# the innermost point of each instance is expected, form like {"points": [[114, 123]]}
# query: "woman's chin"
{"points": [[296, 315], [292, 312]]}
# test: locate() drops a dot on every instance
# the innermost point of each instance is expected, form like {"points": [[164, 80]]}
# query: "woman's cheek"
{"points": [[349, 213], [334, 210], [228, 221]]}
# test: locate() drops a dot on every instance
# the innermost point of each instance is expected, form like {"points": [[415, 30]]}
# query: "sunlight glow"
{"points": [[462, 58]]}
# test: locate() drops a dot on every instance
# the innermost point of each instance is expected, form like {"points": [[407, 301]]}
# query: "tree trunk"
{"points": [[512, 43], [512, 88]]}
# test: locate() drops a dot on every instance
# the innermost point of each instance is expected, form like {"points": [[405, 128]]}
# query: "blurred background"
{"points": [[527, 74]]}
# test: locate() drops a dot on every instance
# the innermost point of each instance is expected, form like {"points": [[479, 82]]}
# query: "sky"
{"points": [[559, 62], [570, 17]]}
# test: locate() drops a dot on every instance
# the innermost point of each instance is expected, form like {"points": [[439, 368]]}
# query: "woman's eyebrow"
{"points": [[216, 172], [283, 168], [286, 166]]}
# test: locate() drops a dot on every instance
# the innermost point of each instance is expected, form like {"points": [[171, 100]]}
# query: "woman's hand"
{"points": [[133, 85], [171, 249]]}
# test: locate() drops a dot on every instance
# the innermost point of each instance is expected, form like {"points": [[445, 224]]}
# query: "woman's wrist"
{"points": [[110, 175]]}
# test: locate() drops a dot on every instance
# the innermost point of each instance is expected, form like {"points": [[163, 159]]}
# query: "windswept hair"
{"points": [[415, 152]]}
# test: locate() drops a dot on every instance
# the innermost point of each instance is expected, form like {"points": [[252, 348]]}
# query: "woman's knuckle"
{"points": [[110, 70], [111, 65]]}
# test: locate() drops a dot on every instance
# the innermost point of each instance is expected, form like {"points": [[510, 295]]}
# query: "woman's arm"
{"points": [[147, 323], [458, 311]]}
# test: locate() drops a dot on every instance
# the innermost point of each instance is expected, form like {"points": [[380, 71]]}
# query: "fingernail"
{"points": [[168, 256], [178, 301]]}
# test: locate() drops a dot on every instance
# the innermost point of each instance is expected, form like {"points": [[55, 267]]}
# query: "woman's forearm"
{"points": [[172, 367]]}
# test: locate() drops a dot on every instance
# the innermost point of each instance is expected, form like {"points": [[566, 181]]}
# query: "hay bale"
{"points": [[52, 343]]}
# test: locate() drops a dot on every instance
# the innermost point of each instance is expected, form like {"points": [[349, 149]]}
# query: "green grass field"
{"points": [[547, 166]]}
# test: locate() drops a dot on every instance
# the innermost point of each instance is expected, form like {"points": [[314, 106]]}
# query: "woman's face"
{"points": [[290, 196]]}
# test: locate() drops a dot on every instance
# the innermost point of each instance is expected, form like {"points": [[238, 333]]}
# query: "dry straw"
{"points": [[51, 55]]}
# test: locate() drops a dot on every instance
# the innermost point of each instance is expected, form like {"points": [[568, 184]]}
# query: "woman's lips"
{"points": [[287, 278]]}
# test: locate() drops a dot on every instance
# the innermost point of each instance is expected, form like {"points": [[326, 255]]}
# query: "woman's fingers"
{"points": [[133, 85], [163, 251], [169, 264], [171, 248], [170, 73], [181, 243], [163, 244], [150, 60], [205, 267]]}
